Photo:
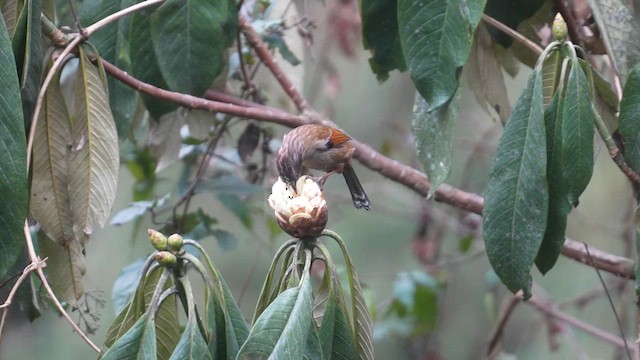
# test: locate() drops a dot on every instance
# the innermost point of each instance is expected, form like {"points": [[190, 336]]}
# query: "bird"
{"points": [[324, 148]]}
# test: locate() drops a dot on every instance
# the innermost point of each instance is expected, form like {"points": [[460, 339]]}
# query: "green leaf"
{"points": [[380, 36], [517, 197], [65, 268], [313, 347], [191, 344], [144, 64], [618, 28], [281, 330], [189, 43], [13, 182], [629, 119], [335, 331], [166, 319], [125, 284], [137, 343], [11, 12], [362, 322], [27, 49], [50, 201], [276, 40], [238, 207], [436, 37], [433, 132], [577, 132], [112, 42], [94, 158], [559, 206]]}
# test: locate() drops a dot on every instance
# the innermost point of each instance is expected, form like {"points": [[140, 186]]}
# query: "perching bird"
{"points": [[323, 148]]}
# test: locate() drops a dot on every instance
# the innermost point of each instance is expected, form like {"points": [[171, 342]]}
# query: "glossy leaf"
{"points": [[630, 121], [13, 174], [281, 330], [144, 64], [517, 197], [137, 343], [112, 42], [65, 269], [50, 201], [618, 28], [436, 37], [94, 157], [380, 36], [189, 43], [433, 132]]}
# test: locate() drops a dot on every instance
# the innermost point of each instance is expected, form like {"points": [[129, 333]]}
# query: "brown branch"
{"points": [[391, 169], [265, 56], [496, 335]]}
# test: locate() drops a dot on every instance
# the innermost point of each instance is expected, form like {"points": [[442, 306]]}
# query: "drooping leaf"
{"points": [[577, 132], [335, 331], [516, 198], [281, 330], [50, 201], [137, 343], [436, 37], [433, 132], [65, 268], [13, 179], [362, 322], [618, 26], [94, 157], [484, 74], [28, 52], [559, 206], [166, 320], [552, 75], [189, 42], [380, 36], [629, 120], [144, 64], [313, 347], [112, 42], [191, 345]]}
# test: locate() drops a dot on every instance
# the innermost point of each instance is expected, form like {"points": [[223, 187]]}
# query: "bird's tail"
{"points": [[359, 197]]}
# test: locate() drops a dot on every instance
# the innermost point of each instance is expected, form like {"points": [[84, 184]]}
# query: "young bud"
{"points": [[559, 29], [158, 240], [174, 243], [166, 259]]}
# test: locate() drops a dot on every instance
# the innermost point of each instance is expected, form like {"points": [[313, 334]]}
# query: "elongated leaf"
{"points": [[335, 332], [166, 319], [189, 42], [484, 74], [552, 75], [191, 344], [137, 343], [618, 28], [281, 330], [516, 199], [433, 132], [50, 204], [313, 347], [144, 64], [13, 174], [65, 268], [28, 52], [436, 37], [94, 158], [112, 42], [559, 206], [165, 140], [380, 36], [577, 132], [629, 120], [362, 322]]}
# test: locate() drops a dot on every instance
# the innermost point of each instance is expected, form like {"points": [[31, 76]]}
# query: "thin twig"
{"points": [[498, 330], [265, 56], [613, 308], [89, 30], [535, 48], [5, 306]]}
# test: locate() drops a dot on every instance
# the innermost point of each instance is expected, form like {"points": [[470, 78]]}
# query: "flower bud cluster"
{"points": [[301, 212]]}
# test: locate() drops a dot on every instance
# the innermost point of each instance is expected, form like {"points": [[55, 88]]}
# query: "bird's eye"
{"points": [[329, 145]]}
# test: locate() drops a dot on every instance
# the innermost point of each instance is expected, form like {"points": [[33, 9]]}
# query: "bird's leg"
{"points": [[321, 180]]}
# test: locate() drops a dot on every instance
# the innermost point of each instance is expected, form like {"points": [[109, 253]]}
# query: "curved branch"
{"points": [[389, 168]]}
